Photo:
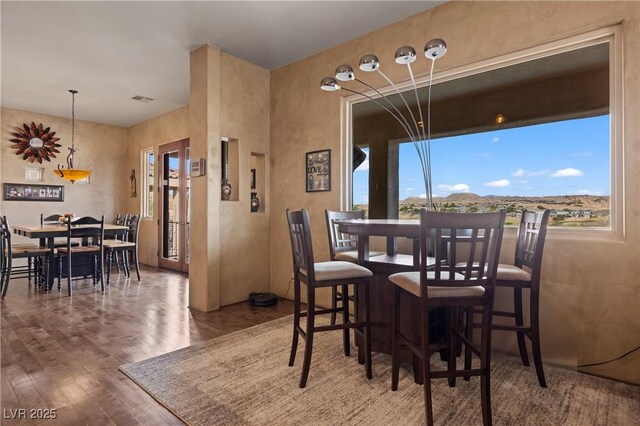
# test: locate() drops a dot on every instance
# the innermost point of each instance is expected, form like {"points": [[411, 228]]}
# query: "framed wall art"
{"points": [[318, 170], [32, 192]]}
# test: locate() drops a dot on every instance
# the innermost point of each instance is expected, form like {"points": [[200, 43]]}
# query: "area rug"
{"points": [[243, 379]]}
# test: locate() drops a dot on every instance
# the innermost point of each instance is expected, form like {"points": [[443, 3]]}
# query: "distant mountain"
{"points": [[582, 202]]}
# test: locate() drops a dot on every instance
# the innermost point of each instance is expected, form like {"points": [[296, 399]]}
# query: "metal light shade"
{"points": [[435, 49], [345, 73], [405, 55], [369, 63], [329, 84], [72, 174]]}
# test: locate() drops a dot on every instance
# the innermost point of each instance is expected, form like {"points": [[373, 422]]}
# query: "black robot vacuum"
{"points": [[262, 299]]}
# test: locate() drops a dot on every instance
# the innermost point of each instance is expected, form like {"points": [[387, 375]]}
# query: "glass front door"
{"points": [[174, 215]]}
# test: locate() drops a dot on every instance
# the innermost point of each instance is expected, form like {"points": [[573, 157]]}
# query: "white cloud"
{"points": [[422, 196], [364, 198], [458, 187], [501, 183], [484, 155], [589, 192], [495, 139], [523, 172], [409, 189], [364, 166], [568, 172]]}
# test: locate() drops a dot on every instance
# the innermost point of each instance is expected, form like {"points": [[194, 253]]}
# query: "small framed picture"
{"points": [[318, 170], [32, 192], [33, 174]]}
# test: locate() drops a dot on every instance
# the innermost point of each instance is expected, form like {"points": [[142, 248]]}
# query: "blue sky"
{"points": [[561, 158]]}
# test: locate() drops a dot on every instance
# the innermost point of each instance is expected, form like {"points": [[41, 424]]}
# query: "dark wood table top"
{"points": [[52, 231], [381, 227]]}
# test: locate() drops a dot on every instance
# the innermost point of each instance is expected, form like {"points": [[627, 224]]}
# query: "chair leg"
{"points": [[308, 347], [134, 253], [346, 341], [357, 311], [59, 272], [367, 329], [468, 354], [7, 277], [485, 365], [517, 304], [535, 337], [296, 321], [109, 258], [334, 304], [29, 268], [69, 273], [100, 262], [125, 263], [426, 368], [453, 346], [395, 324]]}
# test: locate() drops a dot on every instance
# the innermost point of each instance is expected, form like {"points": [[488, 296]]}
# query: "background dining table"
{"points": [[48, 233]]}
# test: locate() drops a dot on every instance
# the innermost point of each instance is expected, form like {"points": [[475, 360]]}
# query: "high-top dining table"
{"points": [[48, 233], [381, 291]]}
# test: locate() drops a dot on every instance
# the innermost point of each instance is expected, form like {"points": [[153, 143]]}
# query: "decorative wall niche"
{"points": [[230, 190], [258, 178]]}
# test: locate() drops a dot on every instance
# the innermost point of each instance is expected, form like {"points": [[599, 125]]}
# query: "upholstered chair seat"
{"points": [[337, 270], [410, 281], [352, 255]]}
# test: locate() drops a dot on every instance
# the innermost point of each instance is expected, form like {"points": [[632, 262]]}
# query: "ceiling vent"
{"points": [[142, 99]]}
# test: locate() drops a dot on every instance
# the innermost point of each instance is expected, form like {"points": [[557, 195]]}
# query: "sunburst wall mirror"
{"points": [[35, 143]]}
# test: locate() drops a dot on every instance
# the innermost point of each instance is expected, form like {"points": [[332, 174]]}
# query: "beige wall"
{"points": [[244, 236], [586, 315], [238, 259], [102, 149], [170, 127]]}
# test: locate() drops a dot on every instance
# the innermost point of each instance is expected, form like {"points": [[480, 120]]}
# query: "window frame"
{"points": [[611, 35], [144, 184]]}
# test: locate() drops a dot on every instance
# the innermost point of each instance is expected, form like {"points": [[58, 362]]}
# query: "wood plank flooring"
{"points": [[63, 353]]}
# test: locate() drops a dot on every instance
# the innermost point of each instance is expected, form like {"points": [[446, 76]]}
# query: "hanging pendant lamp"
{"points": [[70, 173]]}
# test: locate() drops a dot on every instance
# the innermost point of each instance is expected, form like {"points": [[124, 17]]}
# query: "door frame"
{"points": [[181, 147]]}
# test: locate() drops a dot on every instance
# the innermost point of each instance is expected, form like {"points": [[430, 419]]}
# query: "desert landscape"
{"points": [[566, 210]]}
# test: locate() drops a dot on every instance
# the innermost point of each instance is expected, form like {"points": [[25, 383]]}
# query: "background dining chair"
{"points": [[127, 247], [54, 220], [91, 231], [343, 247], [466, 248], [9, 252], [325, 274], [525, 274]]}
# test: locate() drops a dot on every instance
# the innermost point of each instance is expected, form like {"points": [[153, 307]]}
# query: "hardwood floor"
{"points": [[63, 353]]}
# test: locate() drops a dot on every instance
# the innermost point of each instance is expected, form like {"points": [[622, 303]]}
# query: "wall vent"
{"points": [[142, 99]]}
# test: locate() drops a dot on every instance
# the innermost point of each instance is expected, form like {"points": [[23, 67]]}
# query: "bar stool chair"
{"points": [[476, 237], [9, 252], [525, 274], [325, 274], [342, 247]]}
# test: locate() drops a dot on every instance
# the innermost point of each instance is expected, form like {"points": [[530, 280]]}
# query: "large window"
{"points": [[561, 166], [148, 163], [537, 133]]}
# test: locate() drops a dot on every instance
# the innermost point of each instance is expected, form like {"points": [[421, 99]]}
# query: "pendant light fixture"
{"points": [[70, 173]]}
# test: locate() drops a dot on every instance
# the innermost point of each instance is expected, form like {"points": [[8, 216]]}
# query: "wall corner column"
{"points": [[204, 119]]}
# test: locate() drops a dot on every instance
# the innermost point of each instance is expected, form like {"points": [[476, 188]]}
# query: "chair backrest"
{"points": [[121, 219], [530, 242], [5, 237], [466, 247], [86, 227], [339, 241], [301, 246], [51, 219], [133, 222]]}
